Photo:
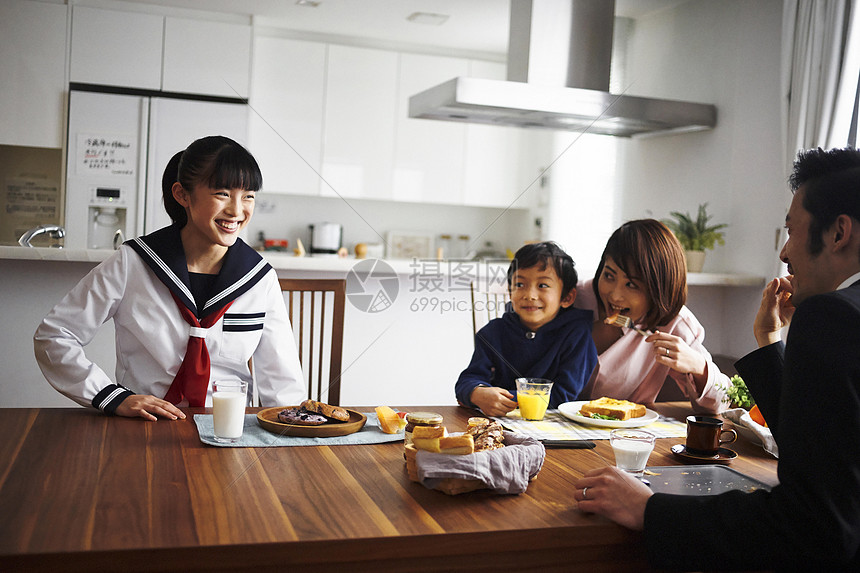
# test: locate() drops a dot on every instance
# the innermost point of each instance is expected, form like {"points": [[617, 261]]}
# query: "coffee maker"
{"points": [[326, 238]]}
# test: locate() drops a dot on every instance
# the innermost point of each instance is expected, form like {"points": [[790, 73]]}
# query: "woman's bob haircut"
{"points": [[646, 250]]}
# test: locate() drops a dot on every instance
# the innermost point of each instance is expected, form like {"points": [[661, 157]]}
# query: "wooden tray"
{"points": [[268, 420]]}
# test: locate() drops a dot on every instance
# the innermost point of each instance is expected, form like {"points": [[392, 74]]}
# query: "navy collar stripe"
{"points": [[236, 286], [166, 269], [244, 320]]}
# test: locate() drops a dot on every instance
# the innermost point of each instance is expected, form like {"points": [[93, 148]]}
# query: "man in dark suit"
{"points": [[808, 390]]}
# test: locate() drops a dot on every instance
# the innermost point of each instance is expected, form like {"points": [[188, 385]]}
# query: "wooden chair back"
{"points": [[316, 310], [487, 304]]}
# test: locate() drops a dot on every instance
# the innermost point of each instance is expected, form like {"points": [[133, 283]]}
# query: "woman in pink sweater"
{"points": [[642, 275]]}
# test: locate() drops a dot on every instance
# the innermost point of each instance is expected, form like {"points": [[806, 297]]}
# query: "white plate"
{"points": [[571, 410]]}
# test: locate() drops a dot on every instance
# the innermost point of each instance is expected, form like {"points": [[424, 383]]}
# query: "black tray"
{"points": [[701, 480]]}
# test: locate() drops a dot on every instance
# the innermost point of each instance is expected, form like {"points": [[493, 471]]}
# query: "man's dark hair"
{"points": [[831, 187], [543, 254]]}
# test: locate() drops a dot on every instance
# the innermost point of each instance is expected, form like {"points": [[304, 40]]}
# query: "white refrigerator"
{"points": [[118, 146]]}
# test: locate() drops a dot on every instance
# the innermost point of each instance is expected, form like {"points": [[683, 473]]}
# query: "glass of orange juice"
{"points": [[533, 397]]}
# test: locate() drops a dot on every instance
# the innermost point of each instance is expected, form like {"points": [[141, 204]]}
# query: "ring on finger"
{"points": [[667, 351], [585, 489]]}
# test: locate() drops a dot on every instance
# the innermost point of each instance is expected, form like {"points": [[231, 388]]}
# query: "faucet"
{"points": [[54, 231]]}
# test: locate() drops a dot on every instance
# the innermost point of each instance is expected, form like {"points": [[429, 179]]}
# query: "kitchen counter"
{"points": [[287, 262], [278, 260]]}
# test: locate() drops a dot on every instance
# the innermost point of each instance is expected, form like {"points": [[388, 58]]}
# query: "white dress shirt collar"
{"points": [[849, 281]]}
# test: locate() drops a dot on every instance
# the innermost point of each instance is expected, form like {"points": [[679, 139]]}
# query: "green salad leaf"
{"points": [[598, 416], [739, 394]]}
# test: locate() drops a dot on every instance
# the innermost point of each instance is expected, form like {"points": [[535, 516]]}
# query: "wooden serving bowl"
{"points": [[268, 420]]}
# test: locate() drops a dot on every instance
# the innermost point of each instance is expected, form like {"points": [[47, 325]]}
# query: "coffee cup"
{"points": [[705, 435]]}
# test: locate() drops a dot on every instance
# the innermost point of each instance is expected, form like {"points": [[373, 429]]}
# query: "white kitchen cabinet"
{"points": [[204, 57], [285, 128], [150, 51], [33, 72], [493, 176], [116, 48], [429, 155], [359, 128]]}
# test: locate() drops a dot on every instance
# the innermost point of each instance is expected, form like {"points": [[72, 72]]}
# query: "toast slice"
{"points": [[620, 409]]}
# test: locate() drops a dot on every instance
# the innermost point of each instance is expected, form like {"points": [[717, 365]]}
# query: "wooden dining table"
{"points": [[81, 491]]}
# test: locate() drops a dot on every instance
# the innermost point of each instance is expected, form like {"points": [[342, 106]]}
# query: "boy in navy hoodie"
{"points": [[540, 336]]}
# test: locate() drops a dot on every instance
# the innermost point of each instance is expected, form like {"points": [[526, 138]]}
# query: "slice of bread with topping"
{"points": [[620, 409]]}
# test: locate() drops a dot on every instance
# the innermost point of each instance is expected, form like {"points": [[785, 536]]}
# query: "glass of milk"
{"points": [[228, 409], [632, 449]]}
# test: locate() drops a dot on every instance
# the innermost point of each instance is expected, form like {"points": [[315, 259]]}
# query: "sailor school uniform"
{"points": [[140, 287]]}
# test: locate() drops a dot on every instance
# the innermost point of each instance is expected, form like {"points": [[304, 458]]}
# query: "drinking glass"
{"points": [[228, 409], [533, 397], [632, 449]]}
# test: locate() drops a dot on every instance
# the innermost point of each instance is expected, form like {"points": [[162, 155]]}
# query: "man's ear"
{"points": [[180, 194], [568, 298], [842, 228]]}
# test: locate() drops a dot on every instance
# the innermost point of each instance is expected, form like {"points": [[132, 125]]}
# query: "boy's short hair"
{"points": [[543, 254]]}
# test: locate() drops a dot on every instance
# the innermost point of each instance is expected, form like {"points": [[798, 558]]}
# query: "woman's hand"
{"points": [[614, 494], [492, 400], [775, 311], [148, 407], [672, 351]]}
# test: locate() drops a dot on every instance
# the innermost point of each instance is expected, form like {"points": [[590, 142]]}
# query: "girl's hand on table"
{"points": [[614, 494], [148, 407], [492, 400], [672, 351]]}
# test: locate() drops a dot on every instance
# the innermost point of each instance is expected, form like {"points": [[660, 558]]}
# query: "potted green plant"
{"points": [[695, 235]]}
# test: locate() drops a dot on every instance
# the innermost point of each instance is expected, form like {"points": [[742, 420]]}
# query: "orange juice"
{"points": [[532, 404]]}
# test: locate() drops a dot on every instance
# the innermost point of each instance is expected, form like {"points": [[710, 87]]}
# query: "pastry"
{"points": [[300, 417], [327, 410]]}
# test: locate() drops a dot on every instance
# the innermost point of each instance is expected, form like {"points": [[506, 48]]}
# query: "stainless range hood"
{"points": [[559, 54]]}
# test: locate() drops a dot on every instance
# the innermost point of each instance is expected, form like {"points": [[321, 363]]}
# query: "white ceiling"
{"points": [[473, 25]]}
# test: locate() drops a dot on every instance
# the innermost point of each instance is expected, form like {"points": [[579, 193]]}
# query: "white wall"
{"points": [[726, 53]]}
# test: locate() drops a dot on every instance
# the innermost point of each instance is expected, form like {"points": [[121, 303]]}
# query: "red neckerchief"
{"points": [[192, 379]]}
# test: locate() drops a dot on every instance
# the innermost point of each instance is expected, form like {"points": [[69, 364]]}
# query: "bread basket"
{"points": [[451, 486], [493, 468]]}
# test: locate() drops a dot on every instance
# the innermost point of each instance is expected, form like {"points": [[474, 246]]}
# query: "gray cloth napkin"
{"points": [[254, 436], [754, 432], [506, 470]]}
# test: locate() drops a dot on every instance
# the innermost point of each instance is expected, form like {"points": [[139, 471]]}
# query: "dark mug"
{"points": [[705, 435]]}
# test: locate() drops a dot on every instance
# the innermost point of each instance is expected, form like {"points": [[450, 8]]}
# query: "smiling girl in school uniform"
{"points": [[191, 302]]}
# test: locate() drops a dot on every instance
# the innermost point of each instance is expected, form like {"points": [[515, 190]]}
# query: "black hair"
{"points": [[215, 161], [831, 187], [544, 254]]}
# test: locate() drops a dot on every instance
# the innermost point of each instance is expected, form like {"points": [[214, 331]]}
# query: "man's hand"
{"points": [[148, 407], [614, 494], [492, 400], [775, 311]]}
